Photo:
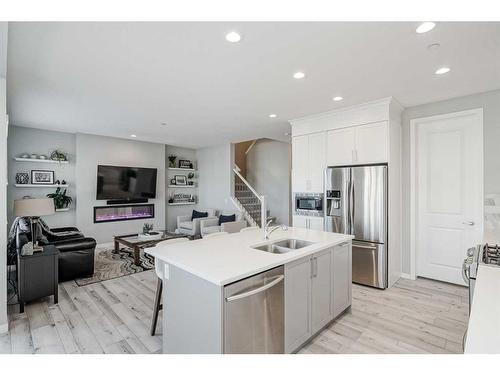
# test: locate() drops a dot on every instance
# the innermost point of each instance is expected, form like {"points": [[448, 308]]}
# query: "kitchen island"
{"points": [[294, 295]]}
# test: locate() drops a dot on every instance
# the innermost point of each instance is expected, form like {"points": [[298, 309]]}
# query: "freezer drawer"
{"points": [[254, 314], [369, 264]]}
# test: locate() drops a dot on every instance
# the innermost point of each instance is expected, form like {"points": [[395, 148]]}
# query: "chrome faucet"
{"points": [[268, 229]]}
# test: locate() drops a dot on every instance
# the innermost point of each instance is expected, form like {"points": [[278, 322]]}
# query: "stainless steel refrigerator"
{"points": [[356, 203]]}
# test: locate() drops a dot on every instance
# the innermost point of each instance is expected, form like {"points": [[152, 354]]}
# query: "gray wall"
{"points": [[93, 150], [268, 171], [28, 140], [490, 102], [215, 177], [3, 179], [173, 211]]}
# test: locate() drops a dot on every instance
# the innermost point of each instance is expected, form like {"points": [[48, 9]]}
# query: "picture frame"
{"points": [[180, 180], [42, 177], [185, 164]]}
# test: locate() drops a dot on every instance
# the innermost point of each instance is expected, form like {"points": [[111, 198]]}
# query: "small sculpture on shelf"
{"points": [[171, 161], [190, 178], [61, 200]]}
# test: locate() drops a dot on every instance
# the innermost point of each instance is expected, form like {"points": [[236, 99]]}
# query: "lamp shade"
{"points": [[34, 207]]}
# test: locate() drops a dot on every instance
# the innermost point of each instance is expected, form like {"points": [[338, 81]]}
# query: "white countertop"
{"points": [[483, 333], [222, 260]]}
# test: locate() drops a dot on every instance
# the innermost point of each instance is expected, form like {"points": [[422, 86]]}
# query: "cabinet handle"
{"points": [[314, 267]]}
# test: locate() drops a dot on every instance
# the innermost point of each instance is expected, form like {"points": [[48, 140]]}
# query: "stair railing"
{"points": [[261, 198]]}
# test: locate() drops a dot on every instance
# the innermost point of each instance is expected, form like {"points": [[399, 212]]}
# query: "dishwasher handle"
{"points": [[275, 280]]}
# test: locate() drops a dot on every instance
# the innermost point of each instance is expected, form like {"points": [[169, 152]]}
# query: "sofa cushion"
{"points": [[214, 229], [227, 218], [197, 214], [186, 225]]}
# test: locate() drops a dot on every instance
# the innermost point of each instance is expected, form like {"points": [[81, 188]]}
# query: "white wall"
{"points": [[215, 177], [3, 176], [28, 140], [268, 171], [93, 150], [173, 211], [490, 102]]}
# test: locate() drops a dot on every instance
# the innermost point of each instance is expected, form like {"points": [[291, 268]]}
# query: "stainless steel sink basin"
{"points": [[283, 246]]}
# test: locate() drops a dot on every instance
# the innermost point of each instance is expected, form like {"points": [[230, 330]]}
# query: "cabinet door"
{"points": [[342, 282], [341, 146], [300, 221], [316, 223], [321, 290], [300, 157], [317, 162], [297, 303], [371, 143]]}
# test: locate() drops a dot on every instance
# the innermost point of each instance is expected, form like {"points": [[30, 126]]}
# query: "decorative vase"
{"points": [[22, 178]]}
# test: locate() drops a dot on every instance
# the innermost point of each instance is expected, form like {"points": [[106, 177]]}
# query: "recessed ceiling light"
{"points": [[442, 70], [433, 46], [233, 37], [273, 115], [133, 135], [425, 27], [337, 98], [299, 75]]}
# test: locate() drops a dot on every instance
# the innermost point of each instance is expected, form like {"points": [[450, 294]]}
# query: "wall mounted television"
{"points": [[125, 183]]}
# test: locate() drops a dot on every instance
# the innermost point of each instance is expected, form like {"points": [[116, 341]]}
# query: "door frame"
{"points": [[413, 175]]}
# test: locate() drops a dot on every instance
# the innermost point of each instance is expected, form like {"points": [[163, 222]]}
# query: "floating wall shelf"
{"points": [[41, 161], [182, 186], [182, 169], [40, 186], [182, 204], [62, 209]]}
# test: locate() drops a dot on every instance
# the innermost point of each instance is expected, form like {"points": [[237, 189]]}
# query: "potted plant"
{"points": [[61, 200], [171, 161], [58, 156]]}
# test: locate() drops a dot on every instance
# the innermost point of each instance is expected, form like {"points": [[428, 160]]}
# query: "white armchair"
{"points": [[211, 225], [192, 227]]}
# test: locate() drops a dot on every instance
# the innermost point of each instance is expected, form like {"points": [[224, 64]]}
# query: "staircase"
{"points": [[248, 201]]}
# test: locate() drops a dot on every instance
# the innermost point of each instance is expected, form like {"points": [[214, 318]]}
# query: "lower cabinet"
{"points": [[317, 289], [308, 222]]}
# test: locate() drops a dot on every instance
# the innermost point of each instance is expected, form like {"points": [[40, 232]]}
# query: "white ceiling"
{"points": [[119, 79]]}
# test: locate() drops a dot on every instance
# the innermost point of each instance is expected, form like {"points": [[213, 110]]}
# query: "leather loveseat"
{"points": [[76, 252]]}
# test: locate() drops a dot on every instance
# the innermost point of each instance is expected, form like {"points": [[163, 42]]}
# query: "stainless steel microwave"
{"points": [[309, 202]]}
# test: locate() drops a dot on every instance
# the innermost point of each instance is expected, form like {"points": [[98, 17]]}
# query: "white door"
{"points": [[371, 143], [317, 162], [341, 145], [300, 157], [448, 192]]}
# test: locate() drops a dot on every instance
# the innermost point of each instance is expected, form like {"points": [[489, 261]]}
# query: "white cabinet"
{"points": [[317, 288], [308, 162], [372, 143], [321, 290], [341, 146], [308, 222], [297, 303], [364, 144], [342, 280]]}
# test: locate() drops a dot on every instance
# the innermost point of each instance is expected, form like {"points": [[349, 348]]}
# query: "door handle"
{"points": [[468, 223], [264, 287]]}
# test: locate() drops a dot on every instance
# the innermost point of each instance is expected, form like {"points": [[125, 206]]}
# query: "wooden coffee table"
{"points": [[135, 243]]}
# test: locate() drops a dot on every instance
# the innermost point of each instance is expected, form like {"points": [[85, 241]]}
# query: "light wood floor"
{"points": [[421, 316]]}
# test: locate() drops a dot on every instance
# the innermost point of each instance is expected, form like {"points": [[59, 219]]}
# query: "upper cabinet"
{"points": [[308, 163], [363, 144]]}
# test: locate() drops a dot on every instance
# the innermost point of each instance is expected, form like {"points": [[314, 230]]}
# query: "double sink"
{"points": [[283, 246]]}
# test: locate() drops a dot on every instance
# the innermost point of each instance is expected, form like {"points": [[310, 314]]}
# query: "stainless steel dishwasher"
{"points": [[254, 314]]}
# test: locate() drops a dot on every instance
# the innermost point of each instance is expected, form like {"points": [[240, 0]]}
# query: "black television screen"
{"points": [[125, 182]]}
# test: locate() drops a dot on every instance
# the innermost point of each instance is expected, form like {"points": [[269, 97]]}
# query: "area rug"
{"points": [[110, 265]]}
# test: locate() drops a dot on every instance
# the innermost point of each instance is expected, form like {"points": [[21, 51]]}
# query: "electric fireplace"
{"points": [[104, 214]]}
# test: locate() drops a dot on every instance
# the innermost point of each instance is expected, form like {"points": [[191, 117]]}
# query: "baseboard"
{"points": [[4, 328], [406, 276]]}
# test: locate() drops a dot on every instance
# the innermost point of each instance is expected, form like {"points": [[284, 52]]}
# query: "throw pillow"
{"points": [[197, 215], [227, 218]]}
